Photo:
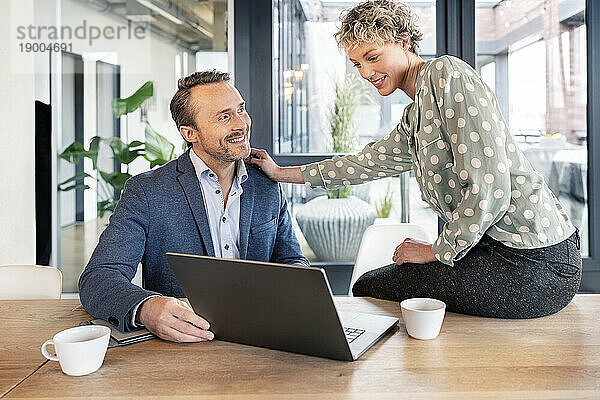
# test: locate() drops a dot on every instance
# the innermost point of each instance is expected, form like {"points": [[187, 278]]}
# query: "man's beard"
{"points": [[224, 153]]}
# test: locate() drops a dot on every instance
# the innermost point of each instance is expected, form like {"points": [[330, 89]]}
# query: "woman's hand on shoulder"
{"points": [[263, 160], [413, 251]]}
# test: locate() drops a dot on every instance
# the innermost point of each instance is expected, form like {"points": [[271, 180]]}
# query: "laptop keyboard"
{"points": [[352, 333]]}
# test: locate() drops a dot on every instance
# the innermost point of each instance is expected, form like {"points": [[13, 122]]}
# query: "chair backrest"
{"points": [[378, 244], [29, 282]]}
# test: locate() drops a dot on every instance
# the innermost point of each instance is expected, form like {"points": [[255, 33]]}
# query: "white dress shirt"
{"points": [[223, 219]]}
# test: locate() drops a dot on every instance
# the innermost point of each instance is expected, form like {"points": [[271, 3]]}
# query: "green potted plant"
{"points": [[333, 226], [156, 149], [384, 206]]}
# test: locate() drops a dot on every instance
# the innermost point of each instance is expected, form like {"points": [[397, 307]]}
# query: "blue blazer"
{"points": [[163, 210]]}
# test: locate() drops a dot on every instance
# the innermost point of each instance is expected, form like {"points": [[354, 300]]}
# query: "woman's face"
{"points": [[383, 65]]}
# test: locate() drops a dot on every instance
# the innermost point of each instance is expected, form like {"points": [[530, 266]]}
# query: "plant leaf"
{"points": [[74, 153], [132, 103], [341, 121], [156, 162], [135, 143], [127, 156], [106, 205], [93, 151], [339, 193], [80, 175], [122, 151], [115, 179], [78, 186], [159, 150], [117, 145], [384, 207]]}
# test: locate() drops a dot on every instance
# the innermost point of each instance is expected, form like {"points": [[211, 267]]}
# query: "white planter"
{"points": [[385, 221], [362, 191], [333, 228]]}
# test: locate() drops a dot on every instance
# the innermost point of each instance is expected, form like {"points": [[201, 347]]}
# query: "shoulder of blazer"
{"points": [[157, 177], [259, 179]]}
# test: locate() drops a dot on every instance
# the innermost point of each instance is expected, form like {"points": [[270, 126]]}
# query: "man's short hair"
{"points": [[181, 111]]}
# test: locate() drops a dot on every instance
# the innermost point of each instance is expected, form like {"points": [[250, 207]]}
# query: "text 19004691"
{"points": [[35, 47]]}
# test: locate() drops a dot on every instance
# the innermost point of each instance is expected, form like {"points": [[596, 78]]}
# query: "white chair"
{"points": [[23, 282], [378, 244]]}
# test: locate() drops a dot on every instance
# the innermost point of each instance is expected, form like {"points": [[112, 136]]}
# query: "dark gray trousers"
{"points": [[492, 280]]}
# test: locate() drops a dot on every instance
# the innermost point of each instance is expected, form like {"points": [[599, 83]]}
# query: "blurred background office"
{"points": [[535, 54]]}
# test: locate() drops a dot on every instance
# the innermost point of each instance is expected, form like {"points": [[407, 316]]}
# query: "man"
{"points": [[207, 202]]}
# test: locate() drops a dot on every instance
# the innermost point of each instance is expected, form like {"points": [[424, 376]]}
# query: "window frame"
{"points": [[591, 265]]}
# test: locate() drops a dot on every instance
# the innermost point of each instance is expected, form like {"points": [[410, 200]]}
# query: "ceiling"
{"points": [[192, 24]]}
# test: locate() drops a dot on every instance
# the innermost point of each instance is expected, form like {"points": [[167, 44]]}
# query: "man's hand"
{"points": [[172, 319], [413, 251]]}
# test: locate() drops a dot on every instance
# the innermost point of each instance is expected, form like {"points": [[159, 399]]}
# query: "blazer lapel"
{"points": [[246, 207], [193, 192]]}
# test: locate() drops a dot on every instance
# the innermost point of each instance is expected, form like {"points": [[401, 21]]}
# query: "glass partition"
{"points": [[534, 56]]}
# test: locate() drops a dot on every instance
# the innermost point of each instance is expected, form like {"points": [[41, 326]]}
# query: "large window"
{"points": [[455, 25], [534, 56], [307, 66]]}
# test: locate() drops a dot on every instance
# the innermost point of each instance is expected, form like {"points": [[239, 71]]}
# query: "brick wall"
{"points": [[565, 76], [494, 23], [565, 66]]}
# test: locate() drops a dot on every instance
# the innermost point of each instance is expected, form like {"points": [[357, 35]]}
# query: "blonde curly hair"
{"points": [[379, 21]]}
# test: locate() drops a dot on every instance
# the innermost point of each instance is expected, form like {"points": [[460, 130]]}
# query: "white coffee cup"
{"points": [[423, 317], [79, 350]]}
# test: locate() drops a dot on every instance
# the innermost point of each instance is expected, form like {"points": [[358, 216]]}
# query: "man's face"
{"points": [[223, 124]]}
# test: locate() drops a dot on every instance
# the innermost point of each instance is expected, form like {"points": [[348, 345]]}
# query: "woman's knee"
{"points": [[379, 283]]}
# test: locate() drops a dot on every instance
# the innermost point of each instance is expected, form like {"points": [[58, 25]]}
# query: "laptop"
{"points": [[277, 306]]}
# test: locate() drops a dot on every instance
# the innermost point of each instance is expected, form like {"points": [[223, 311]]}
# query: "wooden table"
{"points": [[556, 357]]}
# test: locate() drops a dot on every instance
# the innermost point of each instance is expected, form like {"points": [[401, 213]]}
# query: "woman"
{"points": [[507, 248]]}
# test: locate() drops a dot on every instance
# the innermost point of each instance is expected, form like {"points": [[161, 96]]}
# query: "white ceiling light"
{"points": [[137, 12], [167, 15]]}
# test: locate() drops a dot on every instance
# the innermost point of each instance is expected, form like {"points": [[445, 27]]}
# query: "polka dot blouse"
{"points": [[466, 162]]}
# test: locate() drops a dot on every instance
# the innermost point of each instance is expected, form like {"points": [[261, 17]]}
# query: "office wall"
{"points": [[17, 170], [149, 59]]}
